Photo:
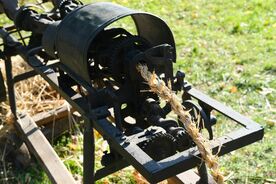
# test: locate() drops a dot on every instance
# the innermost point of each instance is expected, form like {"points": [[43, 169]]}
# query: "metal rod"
{"points": [[10, 84], [101, 173], [203, 173], [24, 76], [21, 37]]}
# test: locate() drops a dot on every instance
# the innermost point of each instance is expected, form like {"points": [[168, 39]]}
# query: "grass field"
{"points": [[228, 50]]}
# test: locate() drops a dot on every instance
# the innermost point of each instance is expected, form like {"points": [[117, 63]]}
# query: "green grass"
{"points": [[221, 46]]}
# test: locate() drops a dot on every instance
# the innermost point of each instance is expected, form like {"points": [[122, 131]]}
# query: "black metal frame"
{"points": [[153, 171]]}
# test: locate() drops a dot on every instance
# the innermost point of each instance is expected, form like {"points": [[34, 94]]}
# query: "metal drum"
{"points": [[76, 32]]}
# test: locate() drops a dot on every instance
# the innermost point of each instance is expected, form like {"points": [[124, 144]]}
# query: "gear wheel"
{"points": [[159, 146], [183, 140], [67, 6]]}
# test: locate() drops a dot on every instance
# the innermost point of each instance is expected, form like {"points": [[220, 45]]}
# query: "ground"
{"points": [[228, 50]]}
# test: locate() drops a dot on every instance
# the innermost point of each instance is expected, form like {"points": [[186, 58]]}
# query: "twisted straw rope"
{"points": [[159, 87]]}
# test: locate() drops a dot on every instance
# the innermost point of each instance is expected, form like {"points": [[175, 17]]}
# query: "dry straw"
{"points": [[159, 87], [33, 95]]}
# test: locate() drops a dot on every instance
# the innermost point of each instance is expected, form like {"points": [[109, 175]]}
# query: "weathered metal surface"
{"points": [[88, 21]]}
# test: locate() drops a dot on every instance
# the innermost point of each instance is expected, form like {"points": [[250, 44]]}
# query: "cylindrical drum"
{"points": [[76, 32]]}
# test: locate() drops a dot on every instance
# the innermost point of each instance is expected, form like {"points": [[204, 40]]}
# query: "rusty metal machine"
{"points": [[92, 63]]}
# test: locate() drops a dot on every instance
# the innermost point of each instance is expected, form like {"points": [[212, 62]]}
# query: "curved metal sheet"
{"points": [[77, 31]]}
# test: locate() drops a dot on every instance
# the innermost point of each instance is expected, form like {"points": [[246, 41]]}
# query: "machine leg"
{"points": [[10, 84], [88, 153], [205, 178]]}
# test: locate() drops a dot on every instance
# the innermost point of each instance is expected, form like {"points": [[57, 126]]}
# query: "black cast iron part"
{"points": [[2, 88], [103, 63]]}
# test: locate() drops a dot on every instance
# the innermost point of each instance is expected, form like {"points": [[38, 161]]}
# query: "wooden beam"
{"points": [[187, 177], [55, 114], [43, 118], [43, 151]]}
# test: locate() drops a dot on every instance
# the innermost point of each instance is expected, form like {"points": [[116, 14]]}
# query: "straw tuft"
{"points": [[33, 95]]}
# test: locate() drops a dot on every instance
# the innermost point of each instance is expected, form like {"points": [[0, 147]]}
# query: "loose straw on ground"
{"points": [[33, 95], [159, 87]]}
